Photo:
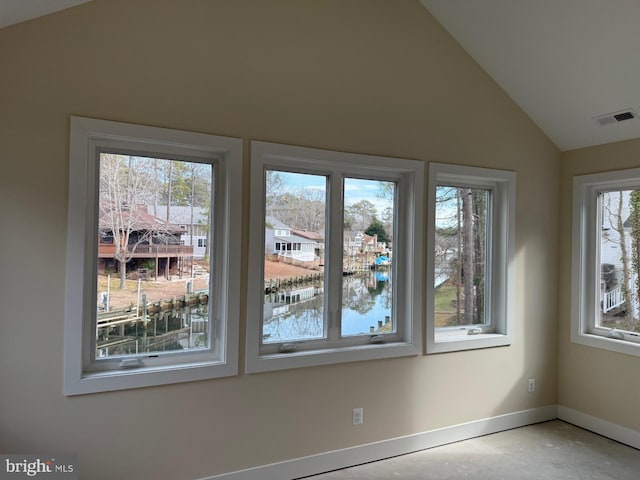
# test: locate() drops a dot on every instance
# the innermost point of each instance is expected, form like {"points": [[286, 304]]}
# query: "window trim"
{"points": [[266, 155], [500, 277], [585, 256], [88, 137]]}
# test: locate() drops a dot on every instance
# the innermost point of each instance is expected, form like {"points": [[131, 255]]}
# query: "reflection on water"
{"points": [[166, 331], [293, 315], [366, 303], [297, 314]]}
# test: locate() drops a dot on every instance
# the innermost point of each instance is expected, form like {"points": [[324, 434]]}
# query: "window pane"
{"points": [[153, 268], [294, 257], [368, 221], [460, 255], [619, 248]]}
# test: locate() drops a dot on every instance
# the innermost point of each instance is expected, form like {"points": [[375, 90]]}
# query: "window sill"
{"points": [[605, 343], [105, 381], [453, 340], [312, 358]]}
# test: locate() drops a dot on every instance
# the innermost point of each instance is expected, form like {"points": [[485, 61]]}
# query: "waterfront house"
{"points": [[193, 223], [152, 244], [280, 240]]}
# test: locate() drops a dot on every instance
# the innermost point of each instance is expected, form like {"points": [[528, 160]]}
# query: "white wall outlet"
{"points": [[358, 416], [532, 385]]}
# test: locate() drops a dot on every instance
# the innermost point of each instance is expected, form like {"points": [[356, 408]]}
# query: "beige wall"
{"points": [[376, 77], [593, 381]]}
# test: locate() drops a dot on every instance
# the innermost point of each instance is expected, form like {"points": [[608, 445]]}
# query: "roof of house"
{"points": [[318, 237], [179, 215], [138, 218], [273, 222], [369, 239]]}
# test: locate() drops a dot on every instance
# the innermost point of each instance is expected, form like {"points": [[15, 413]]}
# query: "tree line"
{"points": [[461, 248], [305, 209]]}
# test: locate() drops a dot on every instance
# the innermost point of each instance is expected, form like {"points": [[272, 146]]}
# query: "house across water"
{"points": [[280, 240]]}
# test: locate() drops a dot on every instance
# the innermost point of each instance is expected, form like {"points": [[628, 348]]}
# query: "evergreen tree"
{"points": [[377, 228]]}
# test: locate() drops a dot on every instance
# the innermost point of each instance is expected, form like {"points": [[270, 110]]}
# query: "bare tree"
{"points": [[467, 253], [301, 208], [613, 210], [361, 214], [274, 188], [461, 247], [626, 271], [126, 185], [634, 204], [312, 209], [479, 248]]}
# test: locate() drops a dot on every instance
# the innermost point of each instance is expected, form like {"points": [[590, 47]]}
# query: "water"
{"points": [[365, 301], [298, 314], [181, 329]]}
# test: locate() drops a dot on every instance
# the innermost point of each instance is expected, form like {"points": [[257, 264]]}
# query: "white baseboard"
{"points": [[347, 457], [599, 426]]}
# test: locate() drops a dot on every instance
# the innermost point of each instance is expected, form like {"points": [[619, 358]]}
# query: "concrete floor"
{"points": [[550, 450]]}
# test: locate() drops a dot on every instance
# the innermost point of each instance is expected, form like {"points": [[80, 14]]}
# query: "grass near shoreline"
{"points": [[444, 301]]}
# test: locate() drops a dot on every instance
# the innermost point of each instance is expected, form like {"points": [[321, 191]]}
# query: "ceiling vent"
{"points": [[616, 117]]}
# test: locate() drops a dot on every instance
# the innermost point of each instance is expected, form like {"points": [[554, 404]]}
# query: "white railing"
{"points": [[612, 299]]}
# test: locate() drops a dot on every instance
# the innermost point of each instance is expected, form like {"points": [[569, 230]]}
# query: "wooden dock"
{"points": [[272, 285], [131, 315]]}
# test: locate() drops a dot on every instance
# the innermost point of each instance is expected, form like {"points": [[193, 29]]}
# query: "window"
{"points": [[606, 292], [134, 315], [316, 296], [470, 258]]}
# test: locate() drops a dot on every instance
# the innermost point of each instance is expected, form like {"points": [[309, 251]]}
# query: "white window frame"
{"points": [[585, 268], [498, 328], [407, 340], [83, 373]]}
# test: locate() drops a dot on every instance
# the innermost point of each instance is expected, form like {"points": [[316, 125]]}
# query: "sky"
{"points": [[356, 190]]}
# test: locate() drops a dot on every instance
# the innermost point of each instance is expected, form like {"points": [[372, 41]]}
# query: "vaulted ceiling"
{"points": [[16, 11], [567, 63]]}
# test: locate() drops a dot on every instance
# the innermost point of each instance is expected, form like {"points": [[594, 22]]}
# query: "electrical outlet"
{"points": [[532, 385], [358, 416]]}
